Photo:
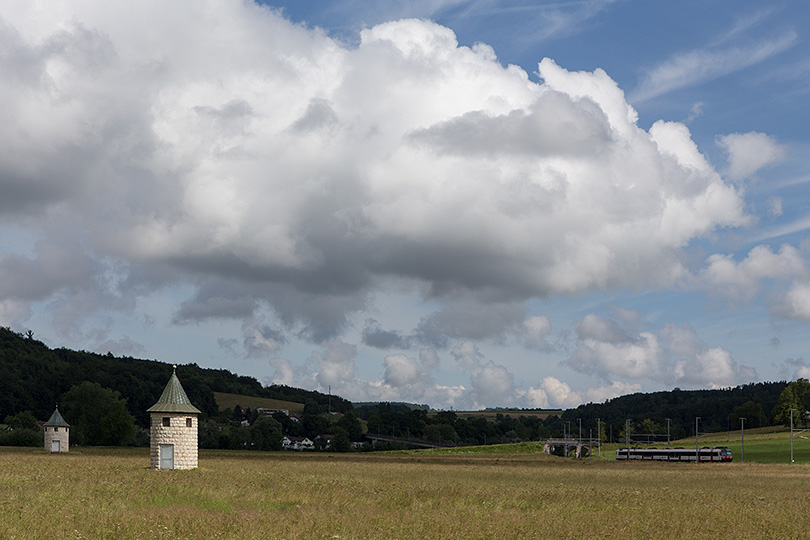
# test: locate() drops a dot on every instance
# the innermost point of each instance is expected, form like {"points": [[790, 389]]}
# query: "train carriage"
{"points": [[716, 454]]}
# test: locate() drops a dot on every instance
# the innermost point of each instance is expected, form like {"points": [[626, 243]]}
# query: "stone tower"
{"points": [[173, 421], [57, 433]]}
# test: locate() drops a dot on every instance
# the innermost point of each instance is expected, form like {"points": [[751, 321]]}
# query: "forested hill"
{"points": [[33, 378], [719, 410]]}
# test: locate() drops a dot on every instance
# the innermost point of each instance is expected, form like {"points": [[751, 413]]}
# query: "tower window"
{"points": [[188, 422], [167, 421]]}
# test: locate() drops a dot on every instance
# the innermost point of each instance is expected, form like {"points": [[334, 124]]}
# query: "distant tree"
{"points": [[21, 437], [265, 434], [648, 426], [313, 425], [22, 420], [441, 433], [340, 441], [288, 425], [312, 407], [795, 396], [235, 438], [25, 431], [98, 416], [351, 424], [752, 412], [432, 433], [209, 434], [238, 415]]}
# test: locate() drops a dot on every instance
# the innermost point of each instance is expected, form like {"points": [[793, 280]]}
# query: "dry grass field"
{"points": [[110, 493]]}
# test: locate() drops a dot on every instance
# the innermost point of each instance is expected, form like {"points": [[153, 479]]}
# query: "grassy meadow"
{"points": [[229, 401], [518, 492]]}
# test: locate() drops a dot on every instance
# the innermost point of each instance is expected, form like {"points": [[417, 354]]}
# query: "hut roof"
{"points": [[173, 399], [56, 420]]}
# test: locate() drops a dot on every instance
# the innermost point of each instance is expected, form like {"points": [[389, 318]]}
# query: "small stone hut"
{"points": [[173, 428], [57, 433]]}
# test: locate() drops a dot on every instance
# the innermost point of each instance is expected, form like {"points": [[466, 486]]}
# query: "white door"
{"points": [[55, 445], [167, 456]]}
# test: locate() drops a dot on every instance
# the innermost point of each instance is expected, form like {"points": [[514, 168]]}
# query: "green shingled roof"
{"points": [[56, 420], [173, 399]]}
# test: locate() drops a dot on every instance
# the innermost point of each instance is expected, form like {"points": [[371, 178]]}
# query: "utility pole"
{"points": [[668, 421], [791, 435], [627, 436], [599, 436], [567, 435], [742, 440], [697, 448]]}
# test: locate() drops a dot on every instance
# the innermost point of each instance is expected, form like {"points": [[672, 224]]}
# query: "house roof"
{"points": [[56, 420], [173, 399]]}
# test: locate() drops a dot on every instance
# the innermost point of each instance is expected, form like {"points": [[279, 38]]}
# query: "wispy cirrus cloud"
{"points": [[548, 19], [701, 65]]}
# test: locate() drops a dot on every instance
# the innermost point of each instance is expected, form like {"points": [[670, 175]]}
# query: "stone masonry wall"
{"points": [[178, 434], [62, 435]]}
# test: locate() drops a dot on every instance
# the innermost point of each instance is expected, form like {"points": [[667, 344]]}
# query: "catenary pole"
{"points": [[599, 436], [791, 435]]}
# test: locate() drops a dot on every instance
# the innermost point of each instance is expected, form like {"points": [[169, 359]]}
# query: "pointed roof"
{"points": [[174, 398], [56, 419]]}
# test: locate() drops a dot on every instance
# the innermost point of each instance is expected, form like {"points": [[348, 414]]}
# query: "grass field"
{"points": [[111, 494], [229, 401]]}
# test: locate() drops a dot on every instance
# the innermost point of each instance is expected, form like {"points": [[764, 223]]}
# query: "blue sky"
{"points": [[459, 203]]}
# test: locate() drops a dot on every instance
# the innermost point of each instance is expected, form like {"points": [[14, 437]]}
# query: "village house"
{"points": [[270, 412], [297, 443]]}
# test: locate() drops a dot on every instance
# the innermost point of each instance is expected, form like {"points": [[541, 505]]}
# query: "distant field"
{"points": [[229, 401], [111, 494], [514, 413]]}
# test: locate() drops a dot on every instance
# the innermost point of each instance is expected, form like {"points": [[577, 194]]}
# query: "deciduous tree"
{"points": [[796, 396], [98, 416]]}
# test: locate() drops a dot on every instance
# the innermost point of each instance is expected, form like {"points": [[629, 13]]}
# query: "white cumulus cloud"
{"points": [[675, 356], [741, 281], [750, 152], [266, 164]]}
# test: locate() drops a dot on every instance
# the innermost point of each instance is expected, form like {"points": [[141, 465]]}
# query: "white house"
{"points": [[297, 443]]}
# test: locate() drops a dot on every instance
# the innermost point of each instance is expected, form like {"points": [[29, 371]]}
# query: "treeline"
{"points": [[718, 410], [651, 417], [35, 378], [446, 427]]}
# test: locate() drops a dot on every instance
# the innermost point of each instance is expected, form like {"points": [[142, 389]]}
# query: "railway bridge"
{"points": [[410, 442], [570, 446]]}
